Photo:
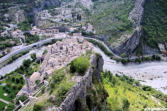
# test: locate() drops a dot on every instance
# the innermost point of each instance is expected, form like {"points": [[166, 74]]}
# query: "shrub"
{"points": [[31, 38], [37, 107], [24, 26], [61, 92], [26, 63], [146, 88], [21, 98], [123, 55], [80, 65], [124, 61], [126, 105], [58, 76], [44, 52], [10, 107], [33, 56], [156, 57], [37, 82]]}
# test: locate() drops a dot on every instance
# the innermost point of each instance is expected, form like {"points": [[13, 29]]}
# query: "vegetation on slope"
{"points": [[14, 57], [128, 95], [110, 18], [80, 65], [155, 22], [29, 39], [24, 26], [59, 84], [6, 42], [102, 47]]}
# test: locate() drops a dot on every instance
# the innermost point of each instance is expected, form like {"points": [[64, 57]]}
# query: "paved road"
{"points": [[24, 48], [104, 46], [119, 57], [18, 62], [4, 101]]}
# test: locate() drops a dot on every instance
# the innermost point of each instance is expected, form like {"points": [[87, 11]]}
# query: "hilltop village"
{"points": [[58, 56], [83, 55]]}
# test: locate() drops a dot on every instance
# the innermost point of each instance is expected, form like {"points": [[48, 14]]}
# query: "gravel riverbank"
{"points": [[153, 74]]}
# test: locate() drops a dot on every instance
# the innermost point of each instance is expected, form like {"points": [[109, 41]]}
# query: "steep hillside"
{"points": [[110, 18], [155, 22], [128, 95]]}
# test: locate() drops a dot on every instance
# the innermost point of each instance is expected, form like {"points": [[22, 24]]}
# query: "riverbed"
{"points": [[153, 74]]}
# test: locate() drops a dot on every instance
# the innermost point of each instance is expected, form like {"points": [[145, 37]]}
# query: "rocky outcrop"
{"points": [[15, 14], [148, 50], [79, 91], [129, 46], [135, 16]]}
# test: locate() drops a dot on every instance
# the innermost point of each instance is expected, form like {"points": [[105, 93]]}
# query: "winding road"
{"points": [[149, 73], [24, 48], [117, 56]]}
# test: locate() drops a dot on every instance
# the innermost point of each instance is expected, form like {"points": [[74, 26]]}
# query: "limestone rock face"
{"points": [[42, 19], [49, 3], [136, 14], [16, 15], [129, 46]]}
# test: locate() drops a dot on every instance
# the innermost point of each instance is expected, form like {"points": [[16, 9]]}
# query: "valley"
{"points": [[83, 55]]}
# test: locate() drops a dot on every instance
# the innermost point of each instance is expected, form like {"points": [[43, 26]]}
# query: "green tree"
{"points": [[37, 82], [26, 63], [33, 56], [126, 105], [37, 107], [80, 65]]}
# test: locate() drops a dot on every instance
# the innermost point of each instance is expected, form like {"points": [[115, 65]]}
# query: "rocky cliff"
{"points": [[135, 16], [135, 42], [78, 98], [130, 45]]}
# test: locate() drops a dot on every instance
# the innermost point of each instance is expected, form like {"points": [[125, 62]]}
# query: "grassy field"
{"points": [[2, 106], [110, 18], [128, 95], [155, 22]]}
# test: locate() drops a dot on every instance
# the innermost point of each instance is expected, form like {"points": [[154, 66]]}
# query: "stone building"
{"points": [[63, 52], [59, 55]]}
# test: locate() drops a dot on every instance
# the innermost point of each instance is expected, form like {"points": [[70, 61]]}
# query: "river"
{"points": [[153, 74]]}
